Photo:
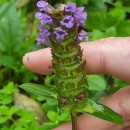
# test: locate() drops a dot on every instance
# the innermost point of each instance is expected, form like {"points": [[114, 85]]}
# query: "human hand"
{"points": [[109, 56]]}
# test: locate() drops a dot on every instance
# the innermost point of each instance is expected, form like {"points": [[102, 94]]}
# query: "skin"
{"points": [[105, 56]]}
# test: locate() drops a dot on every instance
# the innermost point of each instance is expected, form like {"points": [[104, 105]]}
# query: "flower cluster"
{"points": [[55, 24]]}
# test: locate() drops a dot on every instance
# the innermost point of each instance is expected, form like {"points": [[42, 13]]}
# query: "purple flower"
{"points": [[60, 34], [42, 5], [50, 16], [44, 30], [44, 18], [80, 16], [71, 7], [67, 21], [43, 36], [82, 36]]}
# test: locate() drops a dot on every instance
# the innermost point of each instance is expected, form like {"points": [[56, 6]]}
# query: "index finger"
{"points": [[108, 55]]}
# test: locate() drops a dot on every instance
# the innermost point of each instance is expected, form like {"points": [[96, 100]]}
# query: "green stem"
{"points": [[74, 120]]}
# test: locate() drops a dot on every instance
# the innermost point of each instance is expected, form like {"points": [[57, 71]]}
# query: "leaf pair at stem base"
{"points": [[91, 106]]}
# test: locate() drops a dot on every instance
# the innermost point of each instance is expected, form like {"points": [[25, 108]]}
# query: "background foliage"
{"points": [[17, 36]]}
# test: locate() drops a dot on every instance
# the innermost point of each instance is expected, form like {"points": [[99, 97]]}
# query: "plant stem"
{"points": [[74, 120]]}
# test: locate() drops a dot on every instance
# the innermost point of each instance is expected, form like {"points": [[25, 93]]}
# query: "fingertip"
{"points": [[25, 59], [38, 61], [29, 60]]}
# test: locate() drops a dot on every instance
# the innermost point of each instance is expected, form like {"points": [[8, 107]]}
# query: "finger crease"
{"points": [[102, 60]]}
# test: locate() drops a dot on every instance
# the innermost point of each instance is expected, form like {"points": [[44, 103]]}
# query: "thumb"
{"points": [[119, 102]]}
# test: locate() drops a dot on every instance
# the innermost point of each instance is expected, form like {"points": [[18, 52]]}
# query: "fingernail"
{"points": [[27, 57]]}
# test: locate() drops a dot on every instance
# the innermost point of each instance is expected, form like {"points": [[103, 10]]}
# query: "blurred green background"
{"points": [[18, 30]]}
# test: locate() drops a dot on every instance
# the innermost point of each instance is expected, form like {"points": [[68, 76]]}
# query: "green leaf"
{"points": [[7, 61], [3, 119], [102, 112], [9, 88], [6, 99], [4, 110], [48, 126], [50, 105], [118, 12], [108, 1], [95, 35], [6, 8], [97, 5], [96, 83], [13, 110], [11, 33], [110, 32], [39, 90], [65, 116], [123, 28], [53, 116], [103, 21], [49, 79]]}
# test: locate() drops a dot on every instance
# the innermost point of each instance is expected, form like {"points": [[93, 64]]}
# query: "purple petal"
{"points": [[41, 4], [60, 34], [80, 9], [80, 17], [46, 20], [39, 15], [82, 36], [42, 29], [67, 21], [43, 36], [38, 43], [71, 7], [69, 25]]}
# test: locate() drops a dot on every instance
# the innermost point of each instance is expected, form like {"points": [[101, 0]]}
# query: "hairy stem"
{"points": [[74, 120]]}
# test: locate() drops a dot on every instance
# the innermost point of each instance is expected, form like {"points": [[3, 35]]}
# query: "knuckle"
{"points": [[102, 61], [102, 53]]}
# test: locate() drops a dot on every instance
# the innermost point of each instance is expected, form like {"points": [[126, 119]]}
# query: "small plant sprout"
{"points": [[60, 29]]}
